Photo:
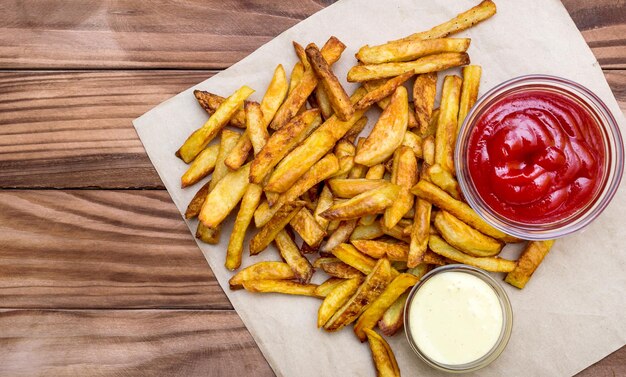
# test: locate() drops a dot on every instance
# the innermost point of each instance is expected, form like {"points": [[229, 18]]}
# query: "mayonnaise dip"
{"points": [[455, 318]]}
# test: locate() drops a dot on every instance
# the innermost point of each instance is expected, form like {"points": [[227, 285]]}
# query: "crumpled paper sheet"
{"points": [[569, 316]]}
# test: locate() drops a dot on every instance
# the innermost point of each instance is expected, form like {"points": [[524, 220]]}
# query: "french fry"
{"points": [[281, 218], [465, 238], [444, 179], [377, 308], [384, 359], [383, 91], [337, 96], [376, 172], [210, 102], [414, 142], [393, 318], [431, 129], [282, 142], [274, 95], [326, 287], [469, 91], [430, 63], [368, 291], [493, 264], [262, 271], [404, 174], [460, 210], [367, 232], [424, 93], [339, 235], [351, 187], [324, 202], [239, 154], [323, 102], [202, 166], [290, 253], [358, 170], [307, 228], [461, 22], [198, 140], [407, 50], [336, 268], [208, 235], [352, 257], [447, 123], [224, 197], [345, 151], [396, 232], [393, 251], [428, 150], [228, 141], [529, 260], [249, 203], [420, 233], [336, 299], [256, 126], [356, 129], [280, 286], [368, 203], [388, 132], [296, 75], [193, 209]]}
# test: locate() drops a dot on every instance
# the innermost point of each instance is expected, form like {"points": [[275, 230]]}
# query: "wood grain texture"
{"points": [[100, 249], [127, 343], [613, 365]]}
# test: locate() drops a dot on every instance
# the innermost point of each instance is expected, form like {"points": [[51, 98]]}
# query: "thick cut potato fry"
{"points": [[195, 205], [224, 197], [280, 286], [420, 232], [256, 126], [393, 318], [446, 125], [356, 129], [339, 235], [336, 268], [345, 151], [529, 260], [367, 292], [465, 238], [296, 75], [404, 174], [331, 52], [396, 232], [367, 232], [461, 22], [414, 142], [262, 271], [290, 253], [210, 102], [349, 188], [323, 102], [338, 97], [469, 91], [352, 257], [202, 166], [444, 179], [388, 132], [324, 202], [393, 251], [239, 154], [407, 50], [336, 299], [493, 264], [282, 142], [383, 91], [368, 203], [274, 95], [462, 211], [208, 235], [249, 202], [430, 63], [424, 93], [307, 228], [377, 308], [276, 223], [428, 150], [376, 172], [198, 140], [326, 287], [384, 359], [228, 141]]}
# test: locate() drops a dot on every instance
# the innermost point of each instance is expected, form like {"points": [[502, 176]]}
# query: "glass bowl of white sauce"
{"points": [[458, 319]]}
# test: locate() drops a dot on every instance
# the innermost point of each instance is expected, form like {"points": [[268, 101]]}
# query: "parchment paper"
{"points": [[569, 316]]}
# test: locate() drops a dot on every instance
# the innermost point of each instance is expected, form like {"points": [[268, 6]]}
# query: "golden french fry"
{"points": [[256, 126], [208, 235], [276, 223], [356, 129], [198, 140], [420, 232], [367, 292], [388, 132], [430, 63], [339, 235], [326, 287], [239, 154], [465, 238], [228, 141], [337, 96], [352, 257], [336, 268], [393, 318], [249, 202], [424, 93], [447, 123], [202, 166], [195, 205], [307, 228], [224, 197], [324, 202], [262, 271], [377, 308], [323, 102], [462, 21], [368, 203], [414, 142], [367, 232], [529, 260], [396, 232], [274, 95], [383, 91], [493, 264], [407, 50], [376, 172], [351, 187], [469, 91], [444, 179], [282, 142], [336, 299], [404, 174], [296, 75], [394, 251], [462, 211], [358, 170], [280, 286], [290, 253], [384, 359], [210, 102], [428, 150], [345, 151]]}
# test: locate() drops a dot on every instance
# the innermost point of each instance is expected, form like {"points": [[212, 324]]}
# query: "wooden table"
{"points": [[98, 274]]}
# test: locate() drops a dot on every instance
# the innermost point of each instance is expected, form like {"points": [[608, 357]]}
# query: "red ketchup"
{"points": [[536, 157]]}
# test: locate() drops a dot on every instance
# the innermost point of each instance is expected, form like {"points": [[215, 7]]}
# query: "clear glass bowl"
{"points": [[505, 333], [614, 157]]}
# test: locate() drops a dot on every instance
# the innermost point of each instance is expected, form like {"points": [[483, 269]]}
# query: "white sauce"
{"points": [[455, 318]]}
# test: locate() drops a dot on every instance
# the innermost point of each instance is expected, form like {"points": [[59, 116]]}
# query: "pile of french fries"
{"points": [[377, 211]]}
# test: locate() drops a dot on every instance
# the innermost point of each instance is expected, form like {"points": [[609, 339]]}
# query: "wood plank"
{"points": [[127, 343], [100, 249], [73, 129], [202, 34], [611, 366]]}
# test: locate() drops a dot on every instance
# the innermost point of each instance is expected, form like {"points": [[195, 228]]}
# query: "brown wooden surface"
{"points": [[121, 262]]}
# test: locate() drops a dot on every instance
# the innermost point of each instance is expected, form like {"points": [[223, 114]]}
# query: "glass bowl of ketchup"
{"points": [[539, 157]]}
